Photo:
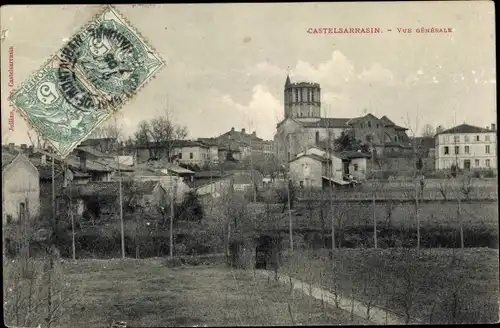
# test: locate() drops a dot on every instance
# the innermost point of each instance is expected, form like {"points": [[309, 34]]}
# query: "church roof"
{"points": [[326, 123], [287, 82]]}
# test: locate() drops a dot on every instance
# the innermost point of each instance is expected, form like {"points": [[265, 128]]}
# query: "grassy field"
{"points": [[149, 293], [435, 286]]}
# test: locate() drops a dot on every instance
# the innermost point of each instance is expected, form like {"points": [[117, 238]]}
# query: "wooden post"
{"points": [[122, 229], [172, 214], [288, 180], [54, 221], [461, 224], [374, 221]]}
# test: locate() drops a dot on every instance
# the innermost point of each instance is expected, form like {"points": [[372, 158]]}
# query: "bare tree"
{"points": [[35, 289], [36, 139], [428, 131], [159, 135], [417, 170]]}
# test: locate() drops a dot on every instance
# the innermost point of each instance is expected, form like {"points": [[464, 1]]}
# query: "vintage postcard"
{"points": [[249, 164]]}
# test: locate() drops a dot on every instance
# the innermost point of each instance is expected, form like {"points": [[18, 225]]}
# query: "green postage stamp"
{"points": [[102, 66]]}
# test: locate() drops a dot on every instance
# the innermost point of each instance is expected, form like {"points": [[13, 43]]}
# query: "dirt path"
{"points": [[376, 315]]}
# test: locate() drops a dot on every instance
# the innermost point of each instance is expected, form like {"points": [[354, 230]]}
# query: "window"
{"points": [[355, 167], [477, 138], [301, 184], [368, 138], [466, 149], [22, 211], [317, 137], [476, 162], [297, 95], [466, 138], [369, 124], [486, 138], [289, 156], [378, 125], [487, 149], [190, 155], [362, 125], [487, 162], [180, 155], [457, 150], [446, 150], [456, 139], [396, 138], [467, 164]]}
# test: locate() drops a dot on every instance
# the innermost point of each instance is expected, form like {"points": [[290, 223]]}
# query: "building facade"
{"points": [[20, 187], [467, 147], [303, 127], [241, 143]]}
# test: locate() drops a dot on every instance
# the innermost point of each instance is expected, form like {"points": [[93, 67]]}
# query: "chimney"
{"points": [[254, 133], [243, 130], [12, 146], [24, 146], [493, 127], [232, 129]]}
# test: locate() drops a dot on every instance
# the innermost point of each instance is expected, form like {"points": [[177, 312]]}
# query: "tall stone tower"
{"points": [[302, 99]]}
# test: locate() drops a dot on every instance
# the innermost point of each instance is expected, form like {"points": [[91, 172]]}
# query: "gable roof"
{"points": [[10, 155], [313, 156], [92, 151], [95, 141], [465, 128], [92, 165], [387, 121]]}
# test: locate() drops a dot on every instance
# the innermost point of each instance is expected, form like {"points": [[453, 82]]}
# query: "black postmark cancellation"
{"points": [[92, 65]]}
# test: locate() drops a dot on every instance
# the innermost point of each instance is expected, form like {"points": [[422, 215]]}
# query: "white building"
{"points": [[20, 187], [467, 146]]}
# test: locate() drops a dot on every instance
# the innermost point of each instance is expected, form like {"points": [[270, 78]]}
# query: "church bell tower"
{"points": [[302, 99]]}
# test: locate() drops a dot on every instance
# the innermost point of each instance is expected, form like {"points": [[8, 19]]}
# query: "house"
{"points": [[103, 145], [467, 146], [245, 180], [215, 189], [170, 183], [188, 152], [317, 168], [101, 199], [228, 154], [245, 143], [20, 186], [99, 169], [204, 177]]}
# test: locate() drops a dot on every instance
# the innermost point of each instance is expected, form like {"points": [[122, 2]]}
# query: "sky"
{"points": [[226, 64]]}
